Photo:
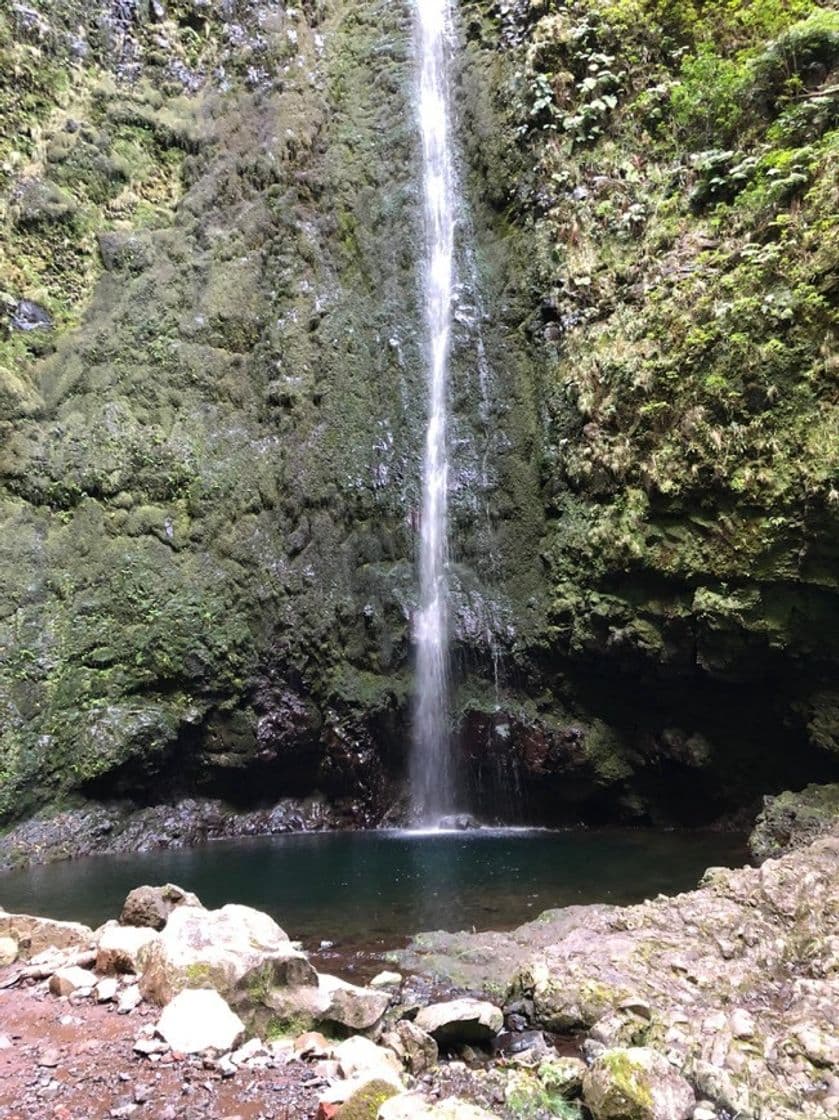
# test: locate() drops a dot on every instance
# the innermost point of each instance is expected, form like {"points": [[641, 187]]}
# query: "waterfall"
{"points": [[432, 776]]}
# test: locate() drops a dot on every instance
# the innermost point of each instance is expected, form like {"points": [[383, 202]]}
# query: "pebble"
{"points": [[5, 1042], [142, 1093], [49, 1058]]}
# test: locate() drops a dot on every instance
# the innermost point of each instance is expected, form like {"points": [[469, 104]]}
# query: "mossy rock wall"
{"points": [[212, 403]]}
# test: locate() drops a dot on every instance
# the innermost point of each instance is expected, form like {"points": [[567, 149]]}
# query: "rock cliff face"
{"points": [[212, 404]]}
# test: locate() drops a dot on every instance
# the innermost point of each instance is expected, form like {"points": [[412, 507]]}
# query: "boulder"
{"points": [[68, 980], [151, 906], [461, 1020], [8, 951], [240, 952], [328, 1000], [636, 1083], [416, 1049], [200, 1020], [349, 1006], [34, 935], [124, 948]]}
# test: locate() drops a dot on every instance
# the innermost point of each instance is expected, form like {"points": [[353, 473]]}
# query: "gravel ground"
{"points": [[66, 1061]]}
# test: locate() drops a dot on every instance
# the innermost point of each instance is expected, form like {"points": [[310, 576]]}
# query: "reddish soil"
{"points": [[74, 1061]]}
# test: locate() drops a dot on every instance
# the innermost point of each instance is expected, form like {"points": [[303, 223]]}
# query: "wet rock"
{"points": [[35, 935], [417, 1050], [68, 980], [459, 822], [529, 1044], [636, 1084], [124, 949], [461, 1020], [150, 907], [30, 316], [240, 952], [199, 1020]]}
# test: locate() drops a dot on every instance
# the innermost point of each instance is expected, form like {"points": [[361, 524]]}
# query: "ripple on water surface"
{"points": [[376, 888]]}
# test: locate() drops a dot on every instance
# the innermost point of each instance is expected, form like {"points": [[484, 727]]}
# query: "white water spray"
{"points": [[432, 778]]}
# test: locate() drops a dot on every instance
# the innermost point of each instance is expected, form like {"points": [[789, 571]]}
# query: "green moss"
{"points": [[365, 1102]]}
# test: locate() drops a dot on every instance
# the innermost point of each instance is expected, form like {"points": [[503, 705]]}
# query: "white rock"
{"points": [[359, 1057], [742, 1023], [413, 1106], [123, 948], [8, 951], [106, 990], [386, 980], [251, 1049], [68, 980], [461, 1020], [199, 1019], [129, 999]]}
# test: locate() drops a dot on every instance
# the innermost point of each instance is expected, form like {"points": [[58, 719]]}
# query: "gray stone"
{"points": [[329, 1001], [417, 1050], [200, 1020], [461, 1020]]}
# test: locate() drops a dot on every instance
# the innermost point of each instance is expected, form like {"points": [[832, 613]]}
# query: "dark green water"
{"points": [[368, 889]]}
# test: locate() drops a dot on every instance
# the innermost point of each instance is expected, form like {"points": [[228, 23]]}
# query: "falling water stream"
{"points": [[432, 777]]}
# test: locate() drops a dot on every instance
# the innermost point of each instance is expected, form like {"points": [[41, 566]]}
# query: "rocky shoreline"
{"points": [[111, 829], [717, 1003]]}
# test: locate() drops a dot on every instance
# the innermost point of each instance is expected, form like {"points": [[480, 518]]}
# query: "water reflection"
{"points": [[360, 888]]}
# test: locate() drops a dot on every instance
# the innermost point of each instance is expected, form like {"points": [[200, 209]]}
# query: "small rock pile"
{"points": [[237, 994]]}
